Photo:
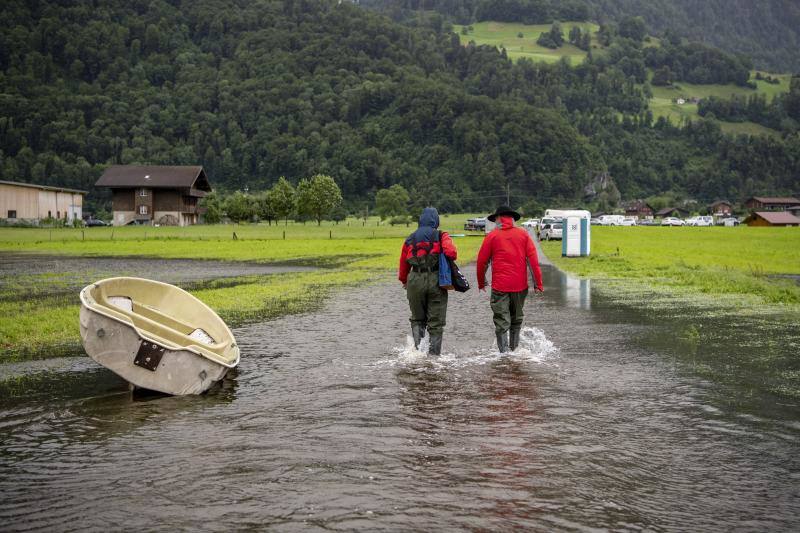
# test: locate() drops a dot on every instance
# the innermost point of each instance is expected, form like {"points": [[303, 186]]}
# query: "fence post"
{"points": [[83, 235], [284, 235], [112, 234], [330, 234]]}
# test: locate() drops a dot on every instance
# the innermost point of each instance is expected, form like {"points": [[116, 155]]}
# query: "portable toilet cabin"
{"points": [[576, 234]]}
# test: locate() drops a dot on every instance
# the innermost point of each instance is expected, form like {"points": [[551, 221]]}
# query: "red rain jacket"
{"points": [[509, 249], [408, 252]]}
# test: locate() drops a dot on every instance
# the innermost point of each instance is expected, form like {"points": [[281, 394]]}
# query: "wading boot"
{"points": [[513, 341], [435, 347], [417, 332], [502, 342]]}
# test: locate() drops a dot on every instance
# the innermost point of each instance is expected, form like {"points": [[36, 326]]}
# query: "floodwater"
{"points": [[601, 421]]}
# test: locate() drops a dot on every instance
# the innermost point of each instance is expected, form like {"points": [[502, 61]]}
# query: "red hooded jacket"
{"points": [[509, 249]]}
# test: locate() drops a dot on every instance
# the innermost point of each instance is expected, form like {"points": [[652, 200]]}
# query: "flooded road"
{"points": [[600, 421]]}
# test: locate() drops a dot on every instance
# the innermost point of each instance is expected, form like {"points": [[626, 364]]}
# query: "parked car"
{"points": [[730, 221], [629, 221], [672, 221], [647, 222], [704, 220], [92, 222], [595, 222], [475, 224], [611, 220], [550, 231], [530, 223]]}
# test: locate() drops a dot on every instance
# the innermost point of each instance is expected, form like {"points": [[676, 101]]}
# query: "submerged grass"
{"points": [[714, 261], [39, 319]]}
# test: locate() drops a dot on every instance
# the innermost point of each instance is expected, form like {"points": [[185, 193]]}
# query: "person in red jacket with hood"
{"points": [[510, 250], [419, 274]]}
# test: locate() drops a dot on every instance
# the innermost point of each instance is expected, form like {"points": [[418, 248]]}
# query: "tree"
{"points": [[662, 76], [633, 28], [214, 208], [318, 196], [392, 201], [240, 207], [264, 207], [282, 199]]}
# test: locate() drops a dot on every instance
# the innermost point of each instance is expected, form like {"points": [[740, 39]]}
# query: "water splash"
{"points": [[534, 347]]}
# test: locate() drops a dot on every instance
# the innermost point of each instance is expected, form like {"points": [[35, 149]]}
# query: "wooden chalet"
{"points": [[772, 218], [771, 203], [163, 195], [671, 212], [640, 209], [721, 208]]}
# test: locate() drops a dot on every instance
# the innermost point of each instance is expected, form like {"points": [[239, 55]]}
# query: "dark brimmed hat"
{"points": [[504, 210]]}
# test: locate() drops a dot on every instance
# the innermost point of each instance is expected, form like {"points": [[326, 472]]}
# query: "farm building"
{"points": [[721, 208], [671, 212], [161, 195], [771, 203], [772, 218], [639, 208], [27, 202]]}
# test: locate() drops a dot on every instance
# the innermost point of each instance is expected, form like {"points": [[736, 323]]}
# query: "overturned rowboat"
{"points": [[155, 335]]}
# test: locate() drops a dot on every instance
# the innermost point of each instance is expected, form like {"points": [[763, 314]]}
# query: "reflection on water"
{"points": [[576, 292], [334, 421]]}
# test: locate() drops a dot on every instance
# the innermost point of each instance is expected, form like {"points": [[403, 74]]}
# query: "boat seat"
{"points": [[158, 324]]}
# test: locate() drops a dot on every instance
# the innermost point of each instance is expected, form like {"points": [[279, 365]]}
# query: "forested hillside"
{"points": [[260, 90], [767, 31]]}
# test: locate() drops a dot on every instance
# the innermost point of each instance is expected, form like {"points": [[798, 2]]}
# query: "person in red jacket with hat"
{"points": [[510, 250]]}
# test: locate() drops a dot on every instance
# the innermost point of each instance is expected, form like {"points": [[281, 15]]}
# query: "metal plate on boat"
{"points": [[149, 355]]}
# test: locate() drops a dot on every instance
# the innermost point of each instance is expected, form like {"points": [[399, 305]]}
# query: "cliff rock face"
{"points": [[602, 189]]}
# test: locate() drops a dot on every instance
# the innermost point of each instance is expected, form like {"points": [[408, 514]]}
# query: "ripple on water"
{"points": [[534, 347]]}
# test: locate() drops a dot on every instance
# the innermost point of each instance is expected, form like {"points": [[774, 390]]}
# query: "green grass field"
{"points": [[663, 102], [35, 324], [505, 35], [713, 261]]}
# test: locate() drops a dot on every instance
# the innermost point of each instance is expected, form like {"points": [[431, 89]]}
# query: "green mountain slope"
{"points": [[255, 91]]}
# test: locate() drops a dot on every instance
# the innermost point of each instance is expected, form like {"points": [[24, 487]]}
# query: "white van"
{"points": [[611, 220], [560, 214]]}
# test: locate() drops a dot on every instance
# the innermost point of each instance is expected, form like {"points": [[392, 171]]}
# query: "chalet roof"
{"points": [[785, 200], [777, 217], [154, 177], [668, 210], [637, 204], [43, 187], [720, 202]]}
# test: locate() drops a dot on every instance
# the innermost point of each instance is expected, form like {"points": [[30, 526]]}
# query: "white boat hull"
{"points": [[115, 345]]}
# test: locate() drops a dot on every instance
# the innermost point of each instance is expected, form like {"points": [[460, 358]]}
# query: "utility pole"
{"points": [[508, 194]]}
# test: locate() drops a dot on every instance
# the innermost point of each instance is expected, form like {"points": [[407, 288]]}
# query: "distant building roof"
{"points": [[637, 204], [720, 202], [777, 217], [154, 177], [43, 187], [776, 200], [668, 210]]}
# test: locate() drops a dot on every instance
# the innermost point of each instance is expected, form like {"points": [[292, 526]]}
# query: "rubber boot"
{"points": [[502, 342], [513, 341], [417, 332], [435, 346]]}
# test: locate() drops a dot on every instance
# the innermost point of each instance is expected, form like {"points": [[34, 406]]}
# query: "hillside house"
{"points": [[769, 203], [671, 212], [772, 218], [163, 195], [639, 209], [721, 208], [31, 203]]}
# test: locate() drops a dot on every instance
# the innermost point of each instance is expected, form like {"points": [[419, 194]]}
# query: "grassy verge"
{"points": [[37, 324], [742, 261], [506, 35]]}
